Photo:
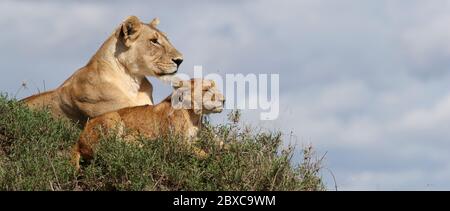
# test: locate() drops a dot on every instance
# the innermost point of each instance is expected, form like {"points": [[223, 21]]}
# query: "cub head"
{"points": [[202, 96], [144, 50]]}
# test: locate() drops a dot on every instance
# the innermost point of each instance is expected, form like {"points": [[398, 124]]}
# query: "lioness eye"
{"points": [[154, 41]]}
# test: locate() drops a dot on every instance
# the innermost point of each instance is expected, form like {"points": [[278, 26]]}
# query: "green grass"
{"points": [[35, 153]]}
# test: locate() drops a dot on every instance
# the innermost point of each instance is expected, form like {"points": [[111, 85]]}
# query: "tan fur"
{"points": [[115, 77], [152, 121]]}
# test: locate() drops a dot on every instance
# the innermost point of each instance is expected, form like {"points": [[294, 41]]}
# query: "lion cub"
{"points": [[180, 113]]}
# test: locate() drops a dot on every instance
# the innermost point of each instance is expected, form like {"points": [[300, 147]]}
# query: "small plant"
{"points": [[33, 149]]}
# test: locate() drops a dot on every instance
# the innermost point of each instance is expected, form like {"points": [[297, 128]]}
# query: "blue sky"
{"points": [[365, 81]]}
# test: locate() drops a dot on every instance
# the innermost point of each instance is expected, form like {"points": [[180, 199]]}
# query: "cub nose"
{"points": [[178, 61]]}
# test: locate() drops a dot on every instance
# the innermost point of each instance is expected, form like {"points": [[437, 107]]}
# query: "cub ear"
{"points": [[154, 23], [208, 84], [129, 30], [177, 84]]}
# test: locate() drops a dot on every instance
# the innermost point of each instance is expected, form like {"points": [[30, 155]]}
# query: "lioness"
{"points": [[115, 77], [152, 121]]}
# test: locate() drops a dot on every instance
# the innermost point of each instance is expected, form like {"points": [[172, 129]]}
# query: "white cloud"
{"points": [[385, 180], [428, 119]]}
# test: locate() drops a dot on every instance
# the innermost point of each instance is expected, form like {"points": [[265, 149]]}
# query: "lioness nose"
{"points": [[177, 61]]}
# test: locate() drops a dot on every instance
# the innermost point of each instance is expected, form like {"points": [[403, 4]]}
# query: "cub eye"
{"points": [[154, 41]]}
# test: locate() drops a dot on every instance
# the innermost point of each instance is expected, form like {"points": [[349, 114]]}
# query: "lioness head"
{"points": [[202, 96], [144, 50]]}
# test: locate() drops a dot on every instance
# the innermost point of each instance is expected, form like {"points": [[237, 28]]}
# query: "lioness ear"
{"points": [[154, 22], [129, 30]]}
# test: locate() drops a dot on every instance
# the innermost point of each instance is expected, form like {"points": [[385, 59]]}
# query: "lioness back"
{"points": [[46, 100]]}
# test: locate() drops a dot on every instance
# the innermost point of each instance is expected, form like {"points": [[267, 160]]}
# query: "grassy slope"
{"points": [[34, 155]]}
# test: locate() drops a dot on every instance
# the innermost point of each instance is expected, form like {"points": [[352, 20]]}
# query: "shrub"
{"points": [[35, 153]]}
